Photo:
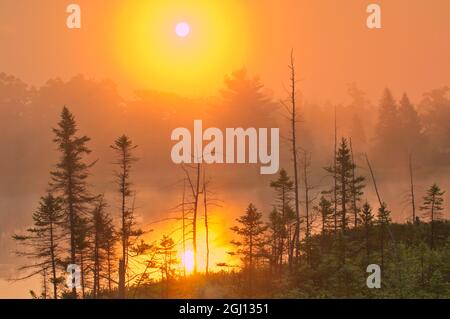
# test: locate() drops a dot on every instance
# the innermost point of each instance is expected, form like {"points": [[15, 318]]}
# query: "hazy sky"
{"points": [[133, 43]]}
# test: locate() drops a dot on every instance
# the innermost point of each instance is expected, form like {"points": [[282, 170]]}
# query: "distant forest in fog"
{"points": [[398, 135]]}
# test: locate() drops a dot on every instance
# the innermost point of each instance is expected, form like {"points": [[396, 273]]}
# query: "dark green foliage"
{"points": [[433, 207], [282, 218], [348, 186], [41, 245], [367, 221], [325, 211], [70, 178], [102, 246], [411, 270], [251, 230]]}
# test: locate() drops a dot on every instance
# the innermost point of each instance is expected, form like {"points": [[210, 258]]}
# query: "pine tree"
{"points": [[411, 129], [277, 229], [43, 241], [251, 230], [166, 253], [243, 89], [346, 183], [356, 188], [70, 177], [357, 130], [436, 106], [283, 187], [433, 207], [367, 220], [110, 241], [83, 247], [101, 231], [123, 147], [387, 131], [383, 221], [358, 114], [325, 210]]}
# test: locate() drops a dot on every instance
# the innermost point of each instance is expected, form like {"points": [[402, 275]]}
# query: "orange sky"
{"points": [[332, 44]]}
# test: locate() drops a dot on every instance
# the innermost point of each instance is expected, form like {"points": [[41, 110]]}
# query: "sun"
{"points": [[182, 29], [180, 46], [187, 260]]}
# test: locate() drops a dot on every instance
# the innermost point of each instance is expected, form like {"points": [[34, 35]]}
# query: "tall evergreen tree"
{"points": [[436, 107], [101, 232], [367, 220], [346, 183], [70, 177], [358, 130], [325, 210], [356, 188], [283, 187], [277, 230], [387, 130], [43, 241], [242, 89], [251, 230], [383, 221], [124, 147], [433, 207], [411, 129]]}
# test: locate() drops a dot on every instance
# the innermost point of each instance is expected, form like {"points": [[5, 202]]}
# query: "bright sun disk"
{"points": [[182, 29], [187, 260]]}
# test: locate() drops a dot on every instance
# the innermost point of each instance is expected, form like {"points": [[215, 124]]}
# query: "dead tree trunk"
{"points": [[354, 195], [335, 174], [183, 217], [44, 284], [307, 188], [374, 181], [413, 201], [391, 235], [195, 194], [83, 287], [108, 247], [194, 227], [205, 203], [293, 120]]}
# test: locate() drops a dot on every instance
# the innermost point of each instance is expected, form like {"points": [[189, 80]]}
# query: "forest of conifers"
{"points": [[329, 213]]}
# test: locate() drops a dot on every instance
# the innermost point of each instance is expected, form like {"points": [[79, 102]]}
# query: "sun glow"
{"points": [[181, 46], [182, 29], [187, 260]]}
